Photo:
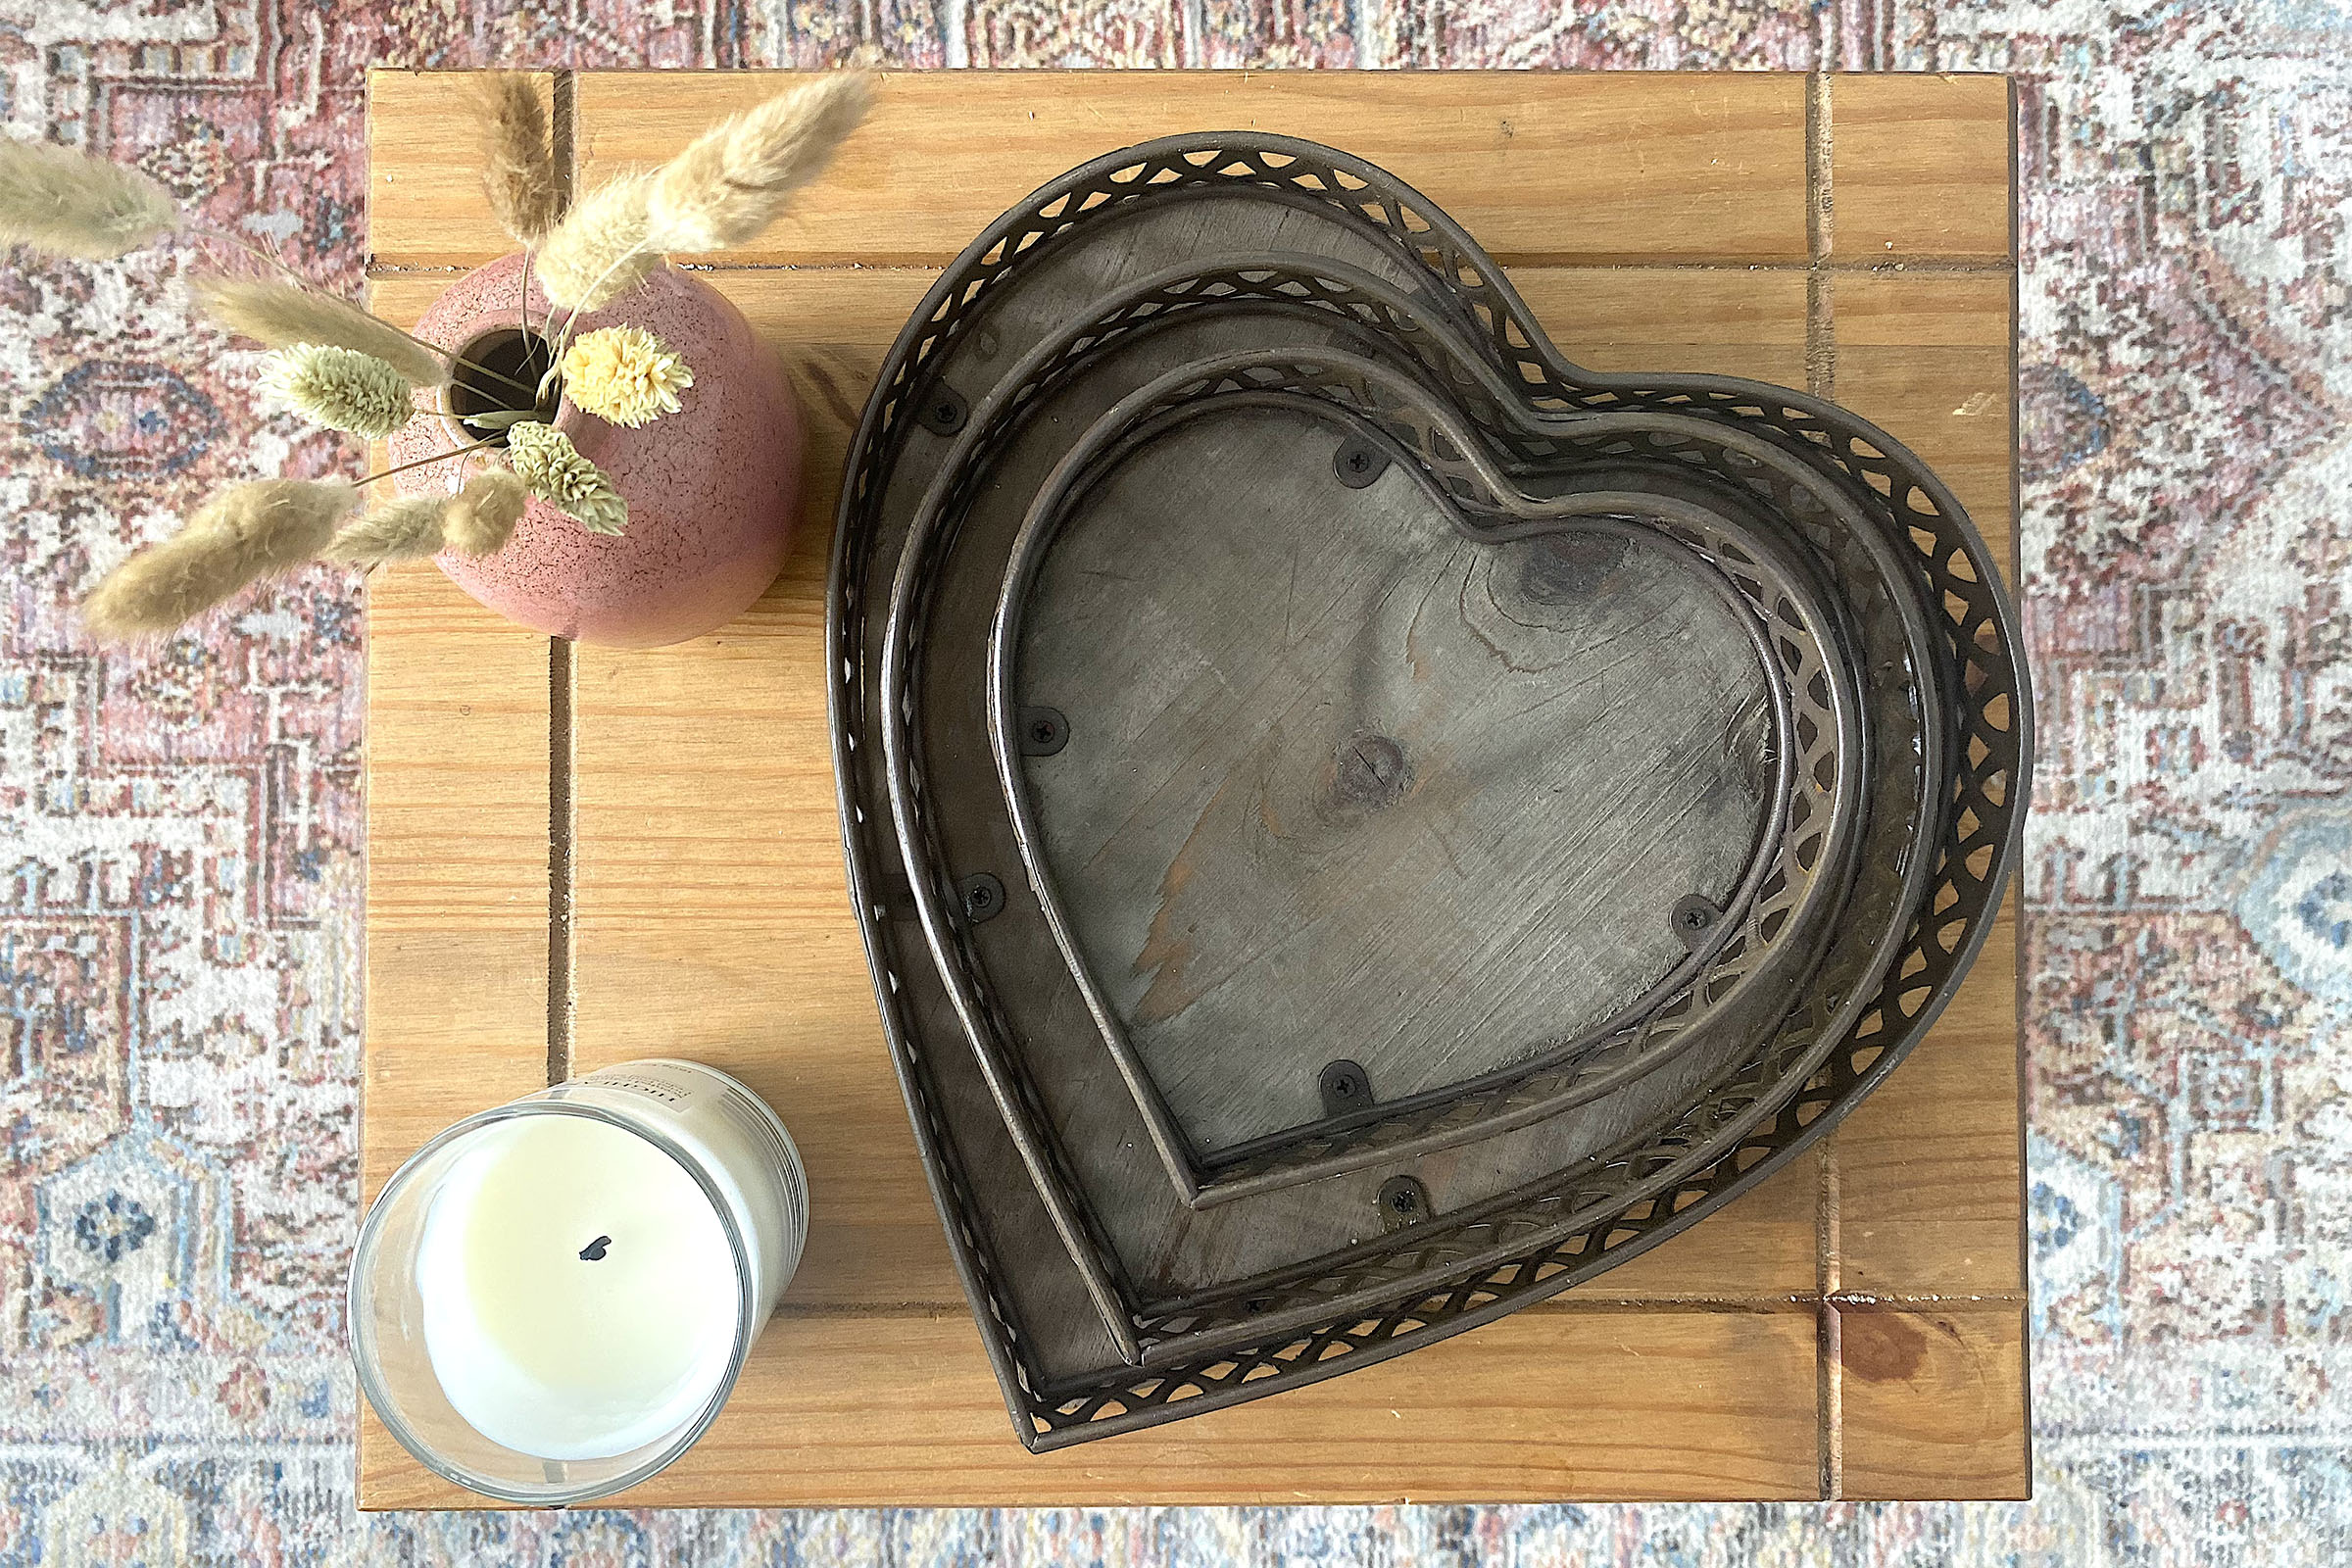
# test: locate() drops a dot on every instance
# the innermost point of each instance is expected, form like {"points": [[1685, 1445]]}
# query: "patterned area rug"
{"points": [[182, 850]]}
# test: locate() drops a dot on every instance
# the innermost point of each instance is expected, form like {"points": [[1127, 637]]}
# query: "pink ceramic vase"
{"points": [[712, 489]]}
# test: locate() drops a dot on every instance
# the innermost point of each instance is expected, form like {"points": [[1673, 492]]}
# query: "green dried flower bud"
{"points": [[552, 466], [341, 389]]}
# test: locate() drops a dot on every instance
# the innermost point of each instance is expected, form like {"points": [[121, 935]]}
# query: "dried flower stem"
{"points": [[419, 462], [587, 258], [284, 314]]}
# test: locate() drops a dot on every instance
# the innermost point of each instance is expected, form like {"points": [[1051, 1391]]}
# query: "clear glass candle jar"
{"points": [[551, 1300]]}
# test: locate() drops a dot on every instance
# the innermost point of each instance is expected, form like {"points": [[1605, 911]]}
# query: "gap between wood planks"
{"points": [[1569, 1303], [1820, 379], [562, 733], [1853, 265]]}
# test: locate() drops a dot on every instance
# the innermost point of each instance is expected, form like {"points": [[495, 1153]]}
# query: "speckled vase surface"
{"points": [[712, 489]]}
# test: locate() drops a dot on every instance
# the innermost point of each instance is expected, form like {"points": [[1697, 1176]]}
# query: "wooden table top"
{"points": [[580, 855]]}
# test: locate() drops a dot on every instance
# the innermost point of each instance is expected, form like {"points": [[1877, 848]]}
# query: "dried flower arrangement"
{"points": [[345, 369]]}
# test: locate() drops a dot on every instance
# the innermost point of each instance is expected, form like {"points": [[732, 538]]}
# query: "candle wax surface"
{"points": [[555, 1354]]}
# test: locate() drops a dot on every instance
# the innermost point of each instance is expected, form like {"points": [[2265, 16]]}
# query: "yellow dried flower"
{"points": [[555, 471], [341, 389], [624, 374], [482, 517]]}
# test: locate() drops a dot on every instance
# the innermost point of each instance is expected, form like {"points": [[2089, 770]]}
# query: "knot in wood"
{"points": [[1371, 771], [1565, 567]]}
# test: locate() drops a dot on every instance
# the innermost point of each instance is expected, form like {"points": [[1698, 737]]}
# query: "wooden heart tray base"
{"points": [[578, 855]]}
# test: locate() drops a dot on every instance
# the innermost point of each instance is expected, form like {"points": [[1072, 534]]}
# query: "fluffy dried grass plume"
{"points": [[284, 316], [68, 202], [340, 389], [736, 178], [241, 535], [555, 473], [400, 530], [519, 164], [481, 518], [599, 251], [624, 374]]}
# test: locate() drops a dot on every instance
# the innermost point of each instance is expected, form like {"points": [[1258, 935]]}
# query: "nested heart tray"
{"points": [[1359, 825]]}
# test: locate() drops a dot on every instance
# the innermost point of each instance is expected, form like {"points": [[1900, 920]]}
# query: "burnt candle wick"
{"points": [[594, 1252]]}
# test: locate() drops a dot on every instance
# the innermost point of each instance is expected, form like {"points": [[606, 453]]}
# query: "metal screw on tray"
{"points": [[943, 411], [983, 897], [1344, 1087], [1694, 917], [1044, 731], [1358, 463], [1402, 1201]]}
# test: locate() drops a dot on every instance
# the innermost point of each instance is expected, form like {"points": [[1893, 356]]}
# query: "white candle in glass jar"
{"points": [[579, 1294]]}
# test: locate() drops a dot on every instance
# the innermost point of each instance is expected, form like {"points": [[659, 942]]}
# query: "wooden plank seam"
{"points": [[1820, 350], [562, 733], [1820, 379], [562, 818]]}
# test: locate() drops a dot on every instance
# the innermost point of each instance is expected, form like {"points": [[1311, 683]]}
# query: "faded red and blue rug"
{"points": [[180, 841]]}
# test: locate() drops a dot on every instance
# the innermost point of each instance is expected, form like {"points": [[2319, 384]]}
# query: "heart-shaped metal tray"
{"points": [[1134, 1255]]}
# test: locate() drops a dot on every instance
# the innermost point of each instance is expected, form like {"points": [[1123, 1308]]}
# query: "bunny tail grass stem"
{"points": [[484, 369], [284, 314], [573, 319], [419, 462], [598, 250], [268, 258], [456, 358]]}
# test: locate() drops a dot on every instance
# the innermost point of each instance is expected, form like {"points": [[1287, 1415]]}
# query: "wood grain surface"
{"points": [[1329, 795], [663, 823]]}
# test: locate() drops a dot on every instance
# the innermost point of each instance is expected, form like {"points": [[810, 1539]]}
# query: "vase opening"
{"points": [[506, 362]]}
